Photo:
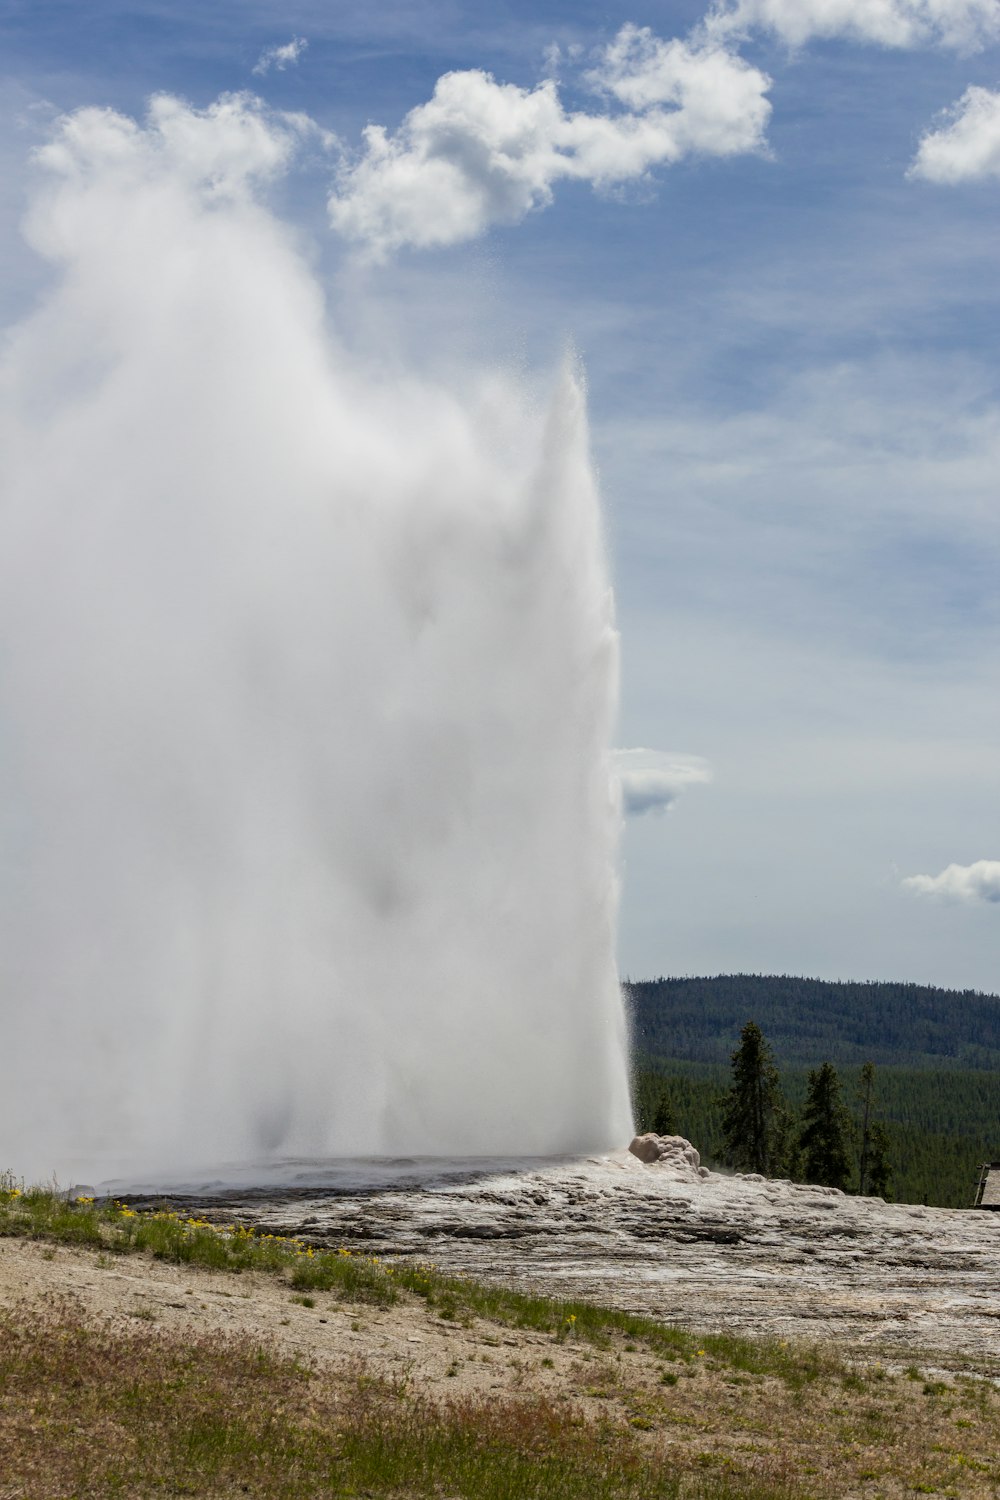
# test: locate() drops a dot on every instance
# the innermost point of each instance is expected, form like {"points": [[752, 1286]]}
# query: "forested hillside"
{"points": [[937, 1055], [810, 1020]]}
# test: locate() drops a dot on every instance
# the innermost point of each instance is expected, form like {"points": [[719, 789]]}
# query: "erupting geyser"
{"points": [[307, 841]]}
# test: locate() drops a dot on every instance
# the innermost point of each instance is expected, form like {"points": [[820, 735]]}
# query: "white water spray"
{"points": [[307, 843]]}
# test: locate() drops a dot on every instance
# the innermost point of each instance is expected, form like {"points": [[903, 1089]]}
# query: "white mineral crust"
{"points": [[666, 1237]]}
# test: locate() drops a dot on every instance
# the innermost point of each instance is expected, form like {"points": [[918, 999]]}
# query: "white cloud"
{"points": [[976, 882], [652, 781], [965, 25], [718, 98], [281, 57], [967, 147], [480, 153]]}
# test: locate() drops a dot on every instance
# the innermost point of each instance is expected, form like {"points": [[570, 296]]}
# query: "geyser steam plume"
{"points": [[306, 682]]}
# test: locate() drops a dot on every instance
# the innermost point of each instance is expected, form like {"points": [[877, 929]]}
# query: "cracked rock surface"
{"points": [[712, 1252]]}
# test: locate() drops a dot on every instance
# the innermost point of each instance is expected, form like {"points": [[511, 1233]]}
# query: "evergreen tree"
{"points": [[874, 1169], [866, 1093], [825, 1135], [786, 1158], [654, 1108], [664, 1120], [752, 1123], [879, 1164]]}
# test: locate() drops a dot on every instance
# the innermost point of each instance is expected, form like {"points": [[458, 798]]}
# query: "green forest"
{"points": [[936, 1054]]}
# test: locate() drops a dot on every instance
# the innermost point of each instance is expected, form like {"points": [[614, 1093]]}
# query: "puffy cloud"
{"points": [[963, 24], [479, 152], [967, 147], [651, 781], [718, 98], [697, 99], [280, 58], [976, 882]]}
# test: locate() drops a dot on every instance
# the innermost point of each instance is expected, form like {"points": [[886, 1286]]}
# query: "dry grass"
{"points": [[556, 1400], [132, 1409], [108, 1411]]}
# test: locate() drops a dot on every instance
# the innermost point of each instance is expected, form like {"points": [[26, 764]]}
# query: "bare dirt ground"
{"points": [[403, 1342]]}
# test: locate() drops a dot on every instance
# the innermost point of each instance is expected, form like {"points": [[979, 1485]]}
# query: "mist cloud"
{"points": [[976, 882], [651, 781], [223, 152], [480, 153], [306, 687]]}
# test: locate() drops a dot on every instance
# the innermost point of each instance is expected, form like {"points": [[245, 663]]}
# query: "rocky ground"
{"points": [[700, 1249]]}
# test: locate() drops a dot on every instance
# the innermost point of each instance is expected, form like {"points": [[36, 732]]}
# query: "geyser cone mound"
{"points": [[305, 698]]}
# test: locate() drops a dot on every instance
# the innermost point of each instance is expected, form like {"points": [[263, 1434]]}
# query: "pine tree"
{"points": [[879, 1164], [874, 1168], [785, 1153], [825, 1135], [664, 1120], [754, 1111], [653, 1104], [866, 1092]]}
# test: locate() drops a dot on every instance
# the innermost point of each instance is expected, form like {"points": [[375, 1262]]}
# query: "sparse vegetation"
{"points": [[621, 1406], [95, 1412], [110, 1226]]}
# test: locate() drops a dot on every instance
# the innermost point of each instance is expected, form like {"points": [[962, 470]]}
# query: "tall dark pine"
{"points": [[866, 1091], [879, 1163], [825, 1135], [753, 1105], [664, 1121], [874, 1170]]}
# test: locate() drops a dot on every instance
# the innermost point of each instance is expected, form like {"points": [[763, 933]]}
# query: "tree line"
{"points": [[942, 1124], [825, 1143], [917, 1026]]}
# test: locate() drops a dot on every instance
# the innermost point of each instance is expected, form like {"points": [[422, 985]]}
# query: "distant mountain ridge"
{"points": [[808, 1021]]}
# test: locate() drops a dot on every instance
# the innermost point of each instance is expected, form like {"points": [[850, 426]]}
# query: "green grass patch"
{"points": [[458, 1297], [110, 1226]]}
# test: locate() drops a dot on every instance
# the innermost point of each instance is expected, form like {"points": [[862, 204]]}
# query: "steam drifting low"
{"points": [[306, 686]]}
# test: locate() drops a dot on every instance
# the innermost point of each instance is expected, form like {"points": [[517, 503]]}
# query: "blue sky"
{"points": [[792, 359]]}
